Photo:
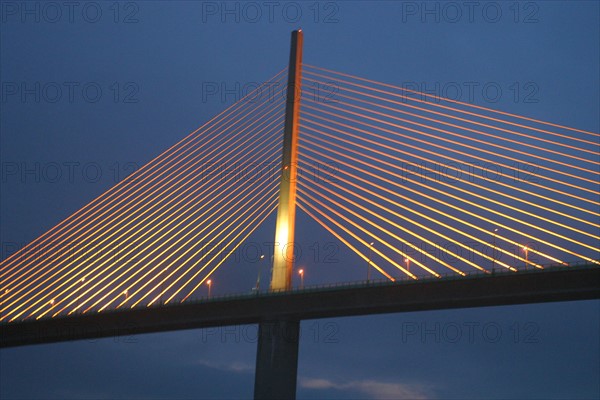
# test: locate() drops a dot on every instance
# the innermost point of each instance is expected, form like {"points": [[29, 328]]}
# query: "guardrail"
{"points": [[348, 285], [382, 282]]}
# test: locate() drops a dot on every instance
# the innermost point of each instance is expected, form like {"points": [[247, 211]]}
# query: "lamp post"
{"points": [[407, 261], [301, 273], [494, 250], [79, 291], [369, 261], [209, 283], [526, 250], [262, 257], [162, 286], [3, 295]]}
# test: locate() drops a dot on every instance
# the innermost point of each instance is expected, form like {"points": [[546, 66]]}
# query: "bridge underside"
{"points": [[565, 284]]}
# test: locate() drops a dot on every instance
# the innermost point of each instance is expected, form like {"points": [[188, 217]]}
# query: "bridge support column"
{"points": [[277, 354], [283, 255], [277, 359]]}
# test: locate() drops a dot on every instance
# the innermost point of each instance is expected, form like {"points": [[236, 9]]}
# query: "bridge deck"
{"points": [[536, 286]]}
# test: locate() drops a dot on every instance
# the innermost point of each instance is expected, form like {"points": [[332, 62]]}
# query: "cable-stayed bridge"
{"points": [[444, 204]]}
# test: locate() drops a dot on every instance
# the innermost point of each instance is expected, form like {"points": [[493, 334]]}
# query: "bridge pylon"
{"points": [[286, 211], [277, 353]]}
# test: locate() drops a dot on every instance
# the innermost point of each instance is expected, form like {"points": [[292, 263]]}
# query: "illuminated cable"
{"points": [[371, 150], [470, 105], [512, 149], [340, 196], [422, 226], [460, 119], [353, 248], [110, 283], [131, 206], [269, 206], [432, 144], [495, 223], [269, 212], [247, 193], [455, 160], [63, 268], [119, 186], [99, 216], [386, 231], [135, 244]]}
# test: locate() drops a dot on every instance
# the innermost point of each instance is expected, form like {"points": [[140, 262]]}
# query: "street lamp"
{"points": [[494, 250], [162, 285], [407, 261], [301, 273], [79, 291], [209, 283], [369, 262], [262, 257], [526, 250]]}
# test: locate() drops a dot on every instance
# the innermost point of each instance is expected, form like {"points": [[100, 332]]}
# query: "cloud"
{"points": [[371, 388], [234, 366], [317, 384]]}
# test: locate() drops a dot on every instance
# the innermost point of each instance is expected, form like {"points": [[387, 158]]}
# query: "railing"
{"points": [[379, 282], [352, 284]]}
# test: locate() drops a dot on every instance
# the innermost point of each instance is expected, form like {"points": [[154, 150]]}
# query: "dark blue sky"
{"points": [[152, 67]]}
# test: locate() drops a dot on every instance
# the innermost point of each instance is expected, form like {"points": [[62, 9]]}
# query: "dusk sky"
{"points": [[150, 69]]}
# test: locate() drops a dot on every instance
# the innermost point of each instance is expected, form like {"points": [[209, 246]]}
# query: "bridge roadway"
{"points": [[482, 290]]}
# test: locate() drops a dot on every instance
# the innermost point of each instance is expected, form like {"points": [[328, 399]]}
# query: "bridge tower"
{"points": [[277, 353]]}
